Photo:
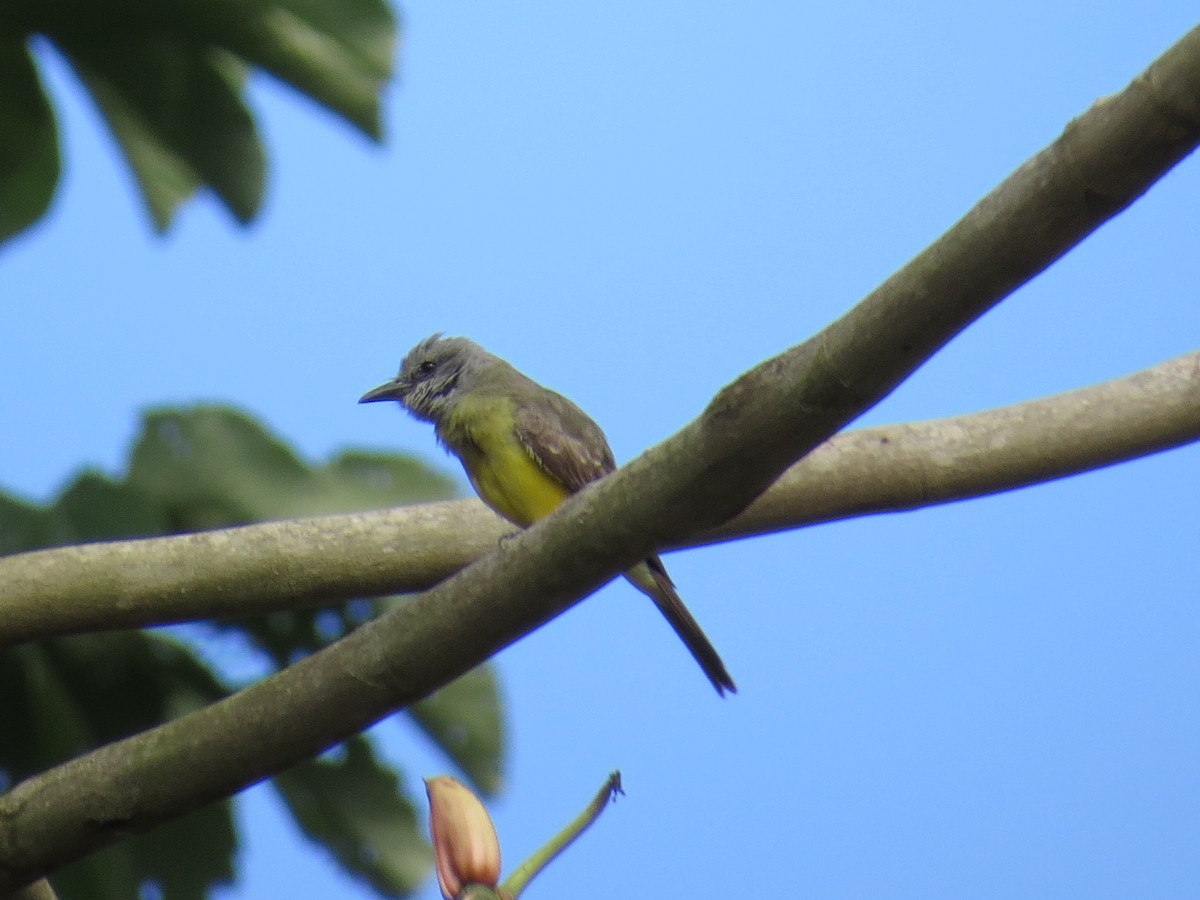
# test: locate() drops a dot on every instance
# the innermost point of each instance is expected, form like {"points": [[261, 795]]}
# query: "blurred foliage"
{"points": [[169, 79], [65, 696], [347, 801], [211, 467]]}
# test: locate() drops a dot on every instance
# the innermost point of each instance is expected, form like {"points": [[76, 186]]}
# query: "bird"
{"points": [[525, 449]]}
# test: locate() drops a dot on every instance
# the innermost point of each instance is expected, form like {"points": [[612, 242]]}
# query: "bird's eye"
{"points": [[426, 366]]}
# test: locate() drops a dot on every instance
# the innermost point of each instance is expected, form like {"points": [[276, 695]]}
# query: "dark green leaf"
{"points": [[373, 480], [107, 875], [168, 77], [40, 722], [185, 859], [176, 108], [338, 54], [215, 467], [365, 29], [97, 508], [353, 805], [464, 719], [66, 696], [93, 508], [125, 682], [29, 163], [188, 857], [24, 526]]}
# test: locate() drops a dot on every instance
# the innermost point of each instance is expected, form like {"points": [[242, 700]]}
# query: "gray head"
{"points": [[433, 376]]}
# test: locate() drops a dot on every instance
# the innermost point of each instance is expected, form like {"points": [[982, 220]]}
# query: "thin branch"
{"points": [[904, 467], [282, 565], [711, 470], [239, 571], [516, 883]]}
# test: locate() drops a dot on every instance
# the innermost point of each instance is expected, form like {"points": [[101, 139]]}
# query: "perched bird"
{"points": [[525, 449]]}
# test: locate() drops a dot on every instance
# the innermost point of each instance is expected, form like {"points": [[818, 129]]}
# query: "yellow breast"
{"points": [[503, 473]]}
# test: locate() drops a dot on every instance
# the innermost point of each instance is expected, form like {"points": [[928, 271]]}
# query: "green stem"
{"points": [[525, 873]]}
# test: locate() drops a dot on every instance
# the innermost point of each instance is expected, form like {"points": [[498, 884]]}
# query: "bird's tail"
{"points": [[652, 580]]}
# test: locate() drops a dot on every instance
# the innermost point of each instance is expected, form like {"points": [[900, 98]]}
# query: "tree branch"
{"points": [[904, 467], [711, 470], [281, 565]]}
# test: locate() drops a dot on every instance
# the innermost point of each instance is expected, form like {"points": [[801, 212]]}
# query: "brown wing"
{"points": [[567, 444]]}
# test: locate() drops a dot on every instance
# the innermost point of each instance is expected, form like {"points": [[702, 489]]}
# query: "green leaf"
{"points": [[211, 467], [353, 805], [290, 635], [124, 682], [40, 722], [185, 859], [107, 875], [176, 108], [24, 526], [29, 162], [215, 467], [464, 719], [188, 857], [372, 480], [168, 77], [92, 508], [66, 696], [338, 54], [364, 29], [96, 508]]}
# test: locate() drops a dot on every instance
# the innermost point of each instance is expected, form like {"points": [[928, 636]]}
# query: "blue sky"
{"points": [[634, 203]]}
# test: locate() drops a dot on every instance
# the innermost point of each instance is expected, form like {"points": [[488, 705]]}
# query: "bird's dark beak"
{"points": [[393, 390]]}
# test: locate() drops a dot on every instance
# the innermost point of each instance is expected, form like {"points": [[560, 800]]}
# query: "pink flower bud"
{"points": [[465, 845]]}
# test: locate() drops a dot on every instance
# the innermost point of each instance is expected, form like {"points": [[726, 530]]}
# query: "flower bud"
{"points": [[465, 845]]}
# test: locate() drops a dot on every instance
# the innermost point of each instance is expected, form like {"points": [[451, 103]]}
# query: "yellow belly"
{"points": [[503, 473]]}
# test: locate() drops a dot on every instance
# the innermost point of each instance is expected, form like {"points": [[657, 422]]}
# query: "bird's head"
{"points": [[432, 376]]}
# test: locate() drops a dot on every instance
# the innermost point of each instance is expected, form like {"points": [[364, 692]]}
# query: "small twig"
{"points": [[525, 873]]}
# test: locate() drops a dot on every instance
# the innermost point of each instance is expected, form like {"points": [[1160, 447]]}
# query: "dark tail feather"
{"points": [[652, 580]]}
